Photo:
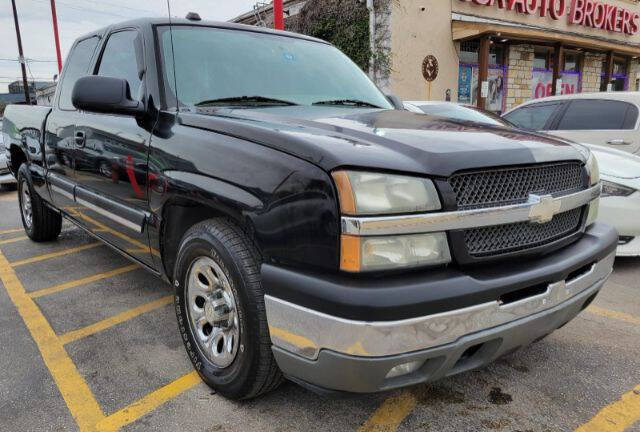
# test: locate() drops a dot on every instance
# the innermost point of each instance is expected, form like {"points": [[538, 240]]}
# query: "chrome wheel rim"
{"points": [[25, 204], [212, 312]]}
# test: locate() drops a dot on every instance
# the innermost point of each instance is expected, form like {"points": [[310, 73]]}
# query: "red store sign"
{"points": [[588, 13]]}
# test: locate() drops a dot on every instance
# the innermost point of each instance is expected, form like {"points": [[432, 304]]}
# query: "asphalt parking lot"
{"points": [[89, 342]]}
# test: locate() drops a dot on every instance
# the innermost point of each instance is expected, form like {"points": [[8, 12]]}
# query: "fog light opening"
{"points": [[404, 369]]}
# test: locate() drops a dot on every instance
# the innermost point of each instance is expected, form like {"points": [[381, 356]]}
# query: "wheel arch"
{"points": [[207, 198], [17, 158]]}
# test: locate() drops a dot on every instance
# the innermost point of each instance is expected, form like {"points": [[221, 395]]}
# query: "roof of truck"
{"points": [[140, 22]]}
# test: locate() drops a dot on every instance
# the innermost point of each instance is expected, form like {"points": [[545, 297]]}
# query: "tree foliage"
{"points": [[344, 23]]}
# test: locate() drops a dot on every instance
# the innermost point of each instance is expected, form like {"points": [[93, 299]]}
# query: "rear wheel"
{"points": [[40, 222], [220, 309]]}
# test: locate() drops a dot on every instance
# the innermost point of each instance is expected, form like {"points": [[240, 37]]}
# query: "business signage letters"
{"points": [[588, 13]]}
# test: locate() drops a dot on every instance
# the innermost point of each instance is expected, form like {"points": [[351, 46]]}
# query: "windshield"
{"points": [[459, 112], [258, 69]]}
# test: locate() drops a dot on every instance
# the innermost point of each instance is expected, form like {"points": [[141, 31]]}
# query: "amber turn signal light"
{"points": [[345, 193], [350, 253]]}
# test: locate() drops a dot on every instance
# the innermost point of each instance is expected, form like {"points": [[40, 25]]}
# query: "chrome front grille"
{"points": [[501, 239], [513, 185]]}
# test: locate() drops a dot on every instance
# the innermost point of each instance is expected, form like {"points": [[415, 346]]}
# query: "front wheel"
{"points": [[40, 222], [220, 309]]}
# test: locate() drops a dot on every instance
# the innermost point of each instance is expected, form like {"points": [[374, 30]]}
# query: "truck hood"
{"points": [[332, 137]]}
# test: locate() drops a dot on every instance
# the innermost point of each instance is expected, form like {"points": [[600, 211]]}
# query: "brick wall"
{"points": [[591, 71], [519, 75]]}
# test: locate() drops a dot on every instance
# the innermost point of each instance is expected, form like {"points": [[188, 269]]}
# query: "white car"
{"points": [[6, 178], [610, 119], [620, 199], [619, 170]]}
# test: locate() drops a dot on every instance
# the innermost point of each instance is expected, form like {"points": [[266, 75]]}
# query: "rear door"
{"points": [[111, 168], [599, 121], [60, 144]]}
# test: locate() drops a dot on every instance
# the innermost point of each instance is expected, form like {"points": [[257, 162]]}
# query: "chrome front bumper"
{"points": [[305, 333]]}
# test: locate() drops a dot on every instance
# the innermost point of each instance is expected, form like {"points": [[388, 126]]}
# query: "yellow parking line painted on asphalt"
{"points": [[9, 231], [81, 403], [148, 403], [54, 254], [83, 281], [13, 240], [114, 320], [116, 233], [13, 197], [621, 316], [389, 415], [618, 416]]}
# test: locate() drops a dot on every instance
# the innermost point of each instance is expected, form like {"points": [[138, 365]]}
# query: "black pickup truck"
{"points": [[312, 229]]}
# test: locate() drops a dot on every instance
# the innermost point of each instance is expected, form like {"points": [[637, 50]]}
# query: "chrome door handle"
{"points": [[79, 138], [618, 142]]}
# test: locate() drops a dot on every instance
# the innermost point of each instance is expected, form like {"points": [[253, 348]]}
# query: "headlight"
{"points": [[365, 193], [594, 178], [613, 189], [393, 252], [593, 170]]}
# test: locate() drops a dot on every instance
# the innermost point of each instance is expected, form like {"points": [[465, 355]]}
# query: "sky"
{"points": [[77, 17]]}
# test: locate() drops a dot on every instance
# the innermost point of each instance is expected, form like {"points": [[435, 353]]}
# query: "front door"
{"points": [[111, 163]]}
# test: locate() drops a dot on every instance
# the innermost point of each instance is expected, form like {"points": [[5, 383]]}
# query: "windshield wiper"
{"points": [[245, 100], [348, 102]]}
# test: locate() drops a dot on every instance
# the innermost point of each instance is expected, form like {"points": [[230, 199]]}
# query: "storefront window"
{"points": [[542, 74], [468, 75], [619, 79]]}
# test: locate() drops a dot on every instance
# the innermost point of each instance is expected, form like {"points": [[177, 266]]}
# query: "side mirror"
{"points": [[105, 95], [395, 101]]}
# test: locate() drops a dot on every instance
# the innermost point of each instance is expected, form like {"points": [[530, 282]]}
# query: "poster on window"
{"points": [[465, 75], [496, 90], [542, 82], [468, 87]]}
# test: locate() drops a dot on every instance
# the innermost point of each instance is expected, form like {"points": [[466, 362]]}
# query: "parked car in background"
{"points": [[609, 119], [620, 199], [455, 111], [619, 171], [6, 178]]}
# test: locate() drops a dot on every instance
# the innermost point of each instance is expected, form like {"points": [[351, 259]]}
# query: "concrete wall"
{"points": [[420, 28]]}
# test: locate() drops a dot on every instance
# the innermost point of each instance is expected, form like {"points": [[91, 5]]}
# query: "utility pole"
{"points": [[54, 18], [27, 98], [278, 15]]}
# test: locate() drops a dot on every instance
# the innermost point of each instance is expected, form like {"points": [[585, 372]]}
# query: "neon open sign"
{"points": [[588, 13]]}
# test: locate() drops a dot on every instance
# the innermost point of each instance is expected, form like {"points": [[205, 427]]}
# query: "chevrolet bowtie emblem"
{"points": [[543, 209]]}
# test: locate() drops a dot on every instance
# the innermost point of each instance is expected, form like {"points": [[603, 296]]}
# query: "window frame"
{"points": [[140, 57], [560, 116], [57, 105]]}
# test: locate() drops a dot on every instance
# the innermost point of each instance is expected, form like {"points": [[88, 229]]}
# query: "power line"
{"points": [[82, 9], [29, 60], [120, 6]]}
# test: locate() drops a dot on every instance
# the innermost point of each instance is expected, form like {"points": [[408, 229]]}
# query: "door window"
{"points": [[533, 117], [119, 60], [599, 115], [76, 67]]}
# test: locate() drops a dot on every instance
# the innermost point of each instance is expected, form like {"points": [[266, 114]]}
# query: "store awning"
{"points": [[465, 27]]}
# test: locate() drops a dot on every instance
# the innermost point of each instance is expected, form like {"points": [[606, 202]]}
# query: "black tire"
{"points": [[253, 370], [46, 224]]}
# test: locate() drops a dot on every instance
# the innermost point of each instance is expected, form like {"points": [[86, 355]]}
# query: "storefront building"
{"points": [[497, 54]]}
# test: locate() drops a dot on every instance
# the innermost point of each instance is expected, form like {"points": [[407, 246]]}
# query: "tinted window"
{"points": [[598, 115], [533, 117], [75, 67], [119, 60]]}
